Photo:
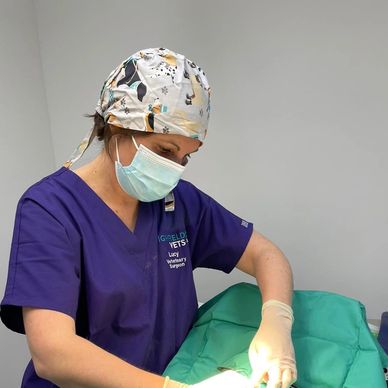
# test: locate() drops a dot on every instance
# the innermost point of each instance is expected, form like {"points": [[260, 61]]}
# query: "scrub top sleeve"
{"points": [[221, 236], [44, 266]]}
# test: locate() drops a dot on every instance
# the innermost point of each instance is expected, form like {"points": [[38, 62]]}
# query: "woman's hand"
{"points": [[271, 352]]}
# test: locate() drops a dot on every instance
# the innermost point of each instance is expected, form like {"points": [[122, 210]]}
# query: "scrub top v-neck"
{"points": [[131, 293], [124, 234]]}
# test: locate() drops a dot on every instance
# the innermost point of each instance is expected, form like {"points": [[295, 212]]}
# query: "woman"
{"points": [[100, 274]]}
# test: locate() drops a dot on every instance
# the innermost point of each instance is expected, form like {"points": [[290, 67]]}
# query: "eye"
{"points": [[165, 150], [167, 153]]}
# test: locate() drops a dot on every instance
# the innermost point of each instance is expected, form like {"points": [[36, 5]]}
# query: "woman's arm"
{"points": [[70, 361], [266, 262], [271, 352]]}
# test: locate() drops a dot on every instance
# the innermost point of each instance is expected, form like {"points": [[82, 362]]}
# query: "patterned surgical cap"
{"points": [[154, 90]]}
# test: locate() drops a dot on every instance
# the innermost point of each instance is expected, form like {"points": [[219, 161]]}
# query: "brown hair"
{"points": [[104, 131]]}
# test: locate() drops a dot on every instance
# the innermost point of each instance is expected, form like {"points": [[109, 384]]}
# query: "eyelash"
{"points": [[169, 151]]}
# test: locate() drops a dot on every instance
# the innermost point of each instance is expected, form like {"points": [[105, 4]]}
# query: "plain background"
{"points": [[297, 140]]}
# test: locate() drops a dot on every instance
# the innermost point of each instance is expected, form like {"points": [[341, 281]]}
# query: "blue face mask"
{"points": [[149, 177]]}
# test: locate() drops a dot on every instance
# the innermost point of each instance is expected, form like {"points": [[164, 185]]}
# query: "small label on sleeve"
{"points": [[244, 223]]}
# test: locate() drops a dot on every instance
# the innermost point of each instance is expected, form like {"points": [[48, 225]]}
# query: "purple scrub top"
{"points": [[130, 293]]}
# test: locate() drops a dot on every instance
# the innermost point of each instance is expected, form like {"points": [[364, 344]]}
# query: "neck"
{"points": [[100, 175]]}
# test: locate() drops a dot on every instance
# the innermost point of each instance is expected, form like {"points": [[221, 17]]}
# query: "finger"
{"points": [[294, 376], [287, 379], [274, 380], [257, 376]]}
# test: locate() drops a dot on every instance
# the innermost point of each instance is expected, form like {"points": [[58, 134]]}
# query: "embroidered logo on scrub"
{"points": [[174, 243]]}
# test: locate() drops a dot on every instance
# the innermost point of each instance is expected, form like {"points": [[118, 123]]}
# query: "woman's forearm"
{"points": [[274, 275], [78, 363]]}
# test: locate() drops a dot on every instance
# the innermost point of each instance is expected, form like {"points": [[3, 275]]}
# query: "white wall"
{"points": [[297, 138], [26, 151], [298, 129]]}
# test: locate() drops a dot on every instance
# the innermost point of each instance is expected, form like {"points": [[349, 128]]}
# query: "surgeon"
{"points": [[100, 277]]}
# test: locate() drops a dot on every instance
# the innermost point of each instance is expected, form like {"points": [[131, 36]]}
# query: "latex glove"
{"points": [[271, 352], [227, 379]]}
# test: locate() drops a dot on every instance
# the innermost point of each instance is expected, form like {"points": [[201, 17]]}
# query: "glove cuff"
{"points": [[168, 383], [286, 310]]}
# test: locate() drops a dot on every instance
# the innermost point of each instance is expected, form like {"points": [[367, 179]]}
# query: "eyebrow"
{"points": [[176, 145], [170, 142]]}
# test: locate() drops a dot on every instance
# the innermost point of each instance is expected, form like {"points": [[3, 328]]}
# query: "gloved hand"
{"points": [[225, 379], [271, 352]]}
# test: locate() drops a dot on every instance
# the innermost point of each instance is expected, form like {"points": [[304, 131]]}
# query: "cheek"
{"points": [[126, 161], [126, 155]]}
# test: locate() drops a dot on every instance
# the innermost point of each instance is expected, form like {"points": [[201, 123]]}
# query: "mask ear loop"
{"points": [[117, 151], [134, 142]]}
